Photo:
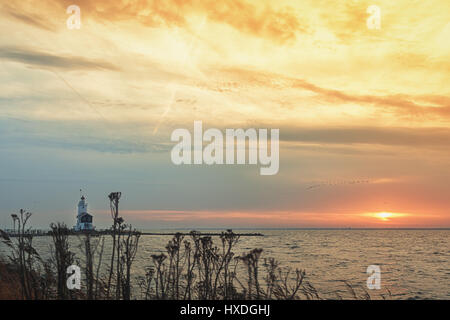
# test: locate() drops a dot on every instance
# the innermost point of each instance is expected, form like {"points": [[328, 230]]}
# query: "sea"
{"points": [[413, 264]]}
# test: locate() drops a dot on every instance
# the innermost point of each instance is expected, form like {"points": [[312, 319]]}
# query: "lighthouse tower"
{"points": [[84, 219]]}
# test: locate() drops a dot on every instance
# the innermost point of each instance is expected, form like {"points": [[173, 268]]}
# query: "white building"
{"points": [[84, 219]]}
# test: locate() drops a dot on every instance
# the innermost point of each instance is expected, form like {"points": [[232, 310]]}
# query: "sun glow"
{"points": [[384, 215]]}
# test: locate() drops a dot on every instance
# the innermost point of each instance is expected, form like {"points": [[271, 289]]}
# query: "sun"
{"points": [[384, 216]]}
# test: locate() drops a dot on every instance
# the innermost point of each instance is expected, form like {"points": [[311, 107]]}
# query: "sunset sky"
{"points": [[364, 114]]}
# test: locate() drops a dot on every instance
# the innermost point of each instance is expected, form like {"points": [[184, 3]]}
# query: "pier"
{"points": [[46, 233]]}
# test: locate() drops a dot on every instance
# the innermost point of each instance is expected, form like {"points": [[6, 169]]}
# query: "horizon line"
{"points": [[274, 228]]}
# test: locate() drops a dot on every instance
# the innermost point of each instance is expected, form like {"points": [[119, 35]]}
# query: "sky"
{"points": [[363, 113]]}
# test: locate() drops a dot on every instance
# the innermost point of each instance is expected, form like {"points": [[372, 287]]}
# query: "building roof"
{"points": [[85, 213]]}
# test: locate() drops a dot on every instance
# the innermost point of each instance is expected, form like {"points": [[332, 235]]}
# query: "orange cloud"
{"points": [[401, 104], [259, 20]]}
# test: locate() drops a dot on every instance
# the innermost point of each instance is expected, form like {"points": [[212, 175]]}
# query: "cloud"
{"points": [[347, 20], [30, 19], [71, 135], [423, 137], [43, 59], [401, 104], [260, 20], [279, 26], [348, 136]]}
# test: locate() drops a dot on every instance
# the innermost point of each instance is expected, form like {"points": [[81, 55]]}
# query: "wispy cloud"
{"points": [[412, 137], [401, 104], [29, 18], [71, 135], [44, 59]]}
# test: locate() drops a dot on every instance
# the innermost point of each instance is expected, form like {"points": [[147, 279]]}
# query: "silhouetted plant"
{"points": [[62, 256], [114, 198], [145, 283], [23, 254], [89, 246], [128, 250]]}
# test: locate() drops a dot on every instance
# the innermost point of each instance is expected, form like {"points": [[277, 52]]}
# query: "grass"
{"points": [[9, 277], [192, 268]]}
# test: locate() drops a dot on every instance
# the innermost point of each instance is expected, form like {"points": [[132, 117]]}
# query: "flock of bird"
{"points": [[337, 183]]}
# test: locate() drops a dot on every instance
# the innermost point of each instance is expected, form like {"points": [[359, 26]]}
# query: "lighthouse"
{"points": [[84, 219]]}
